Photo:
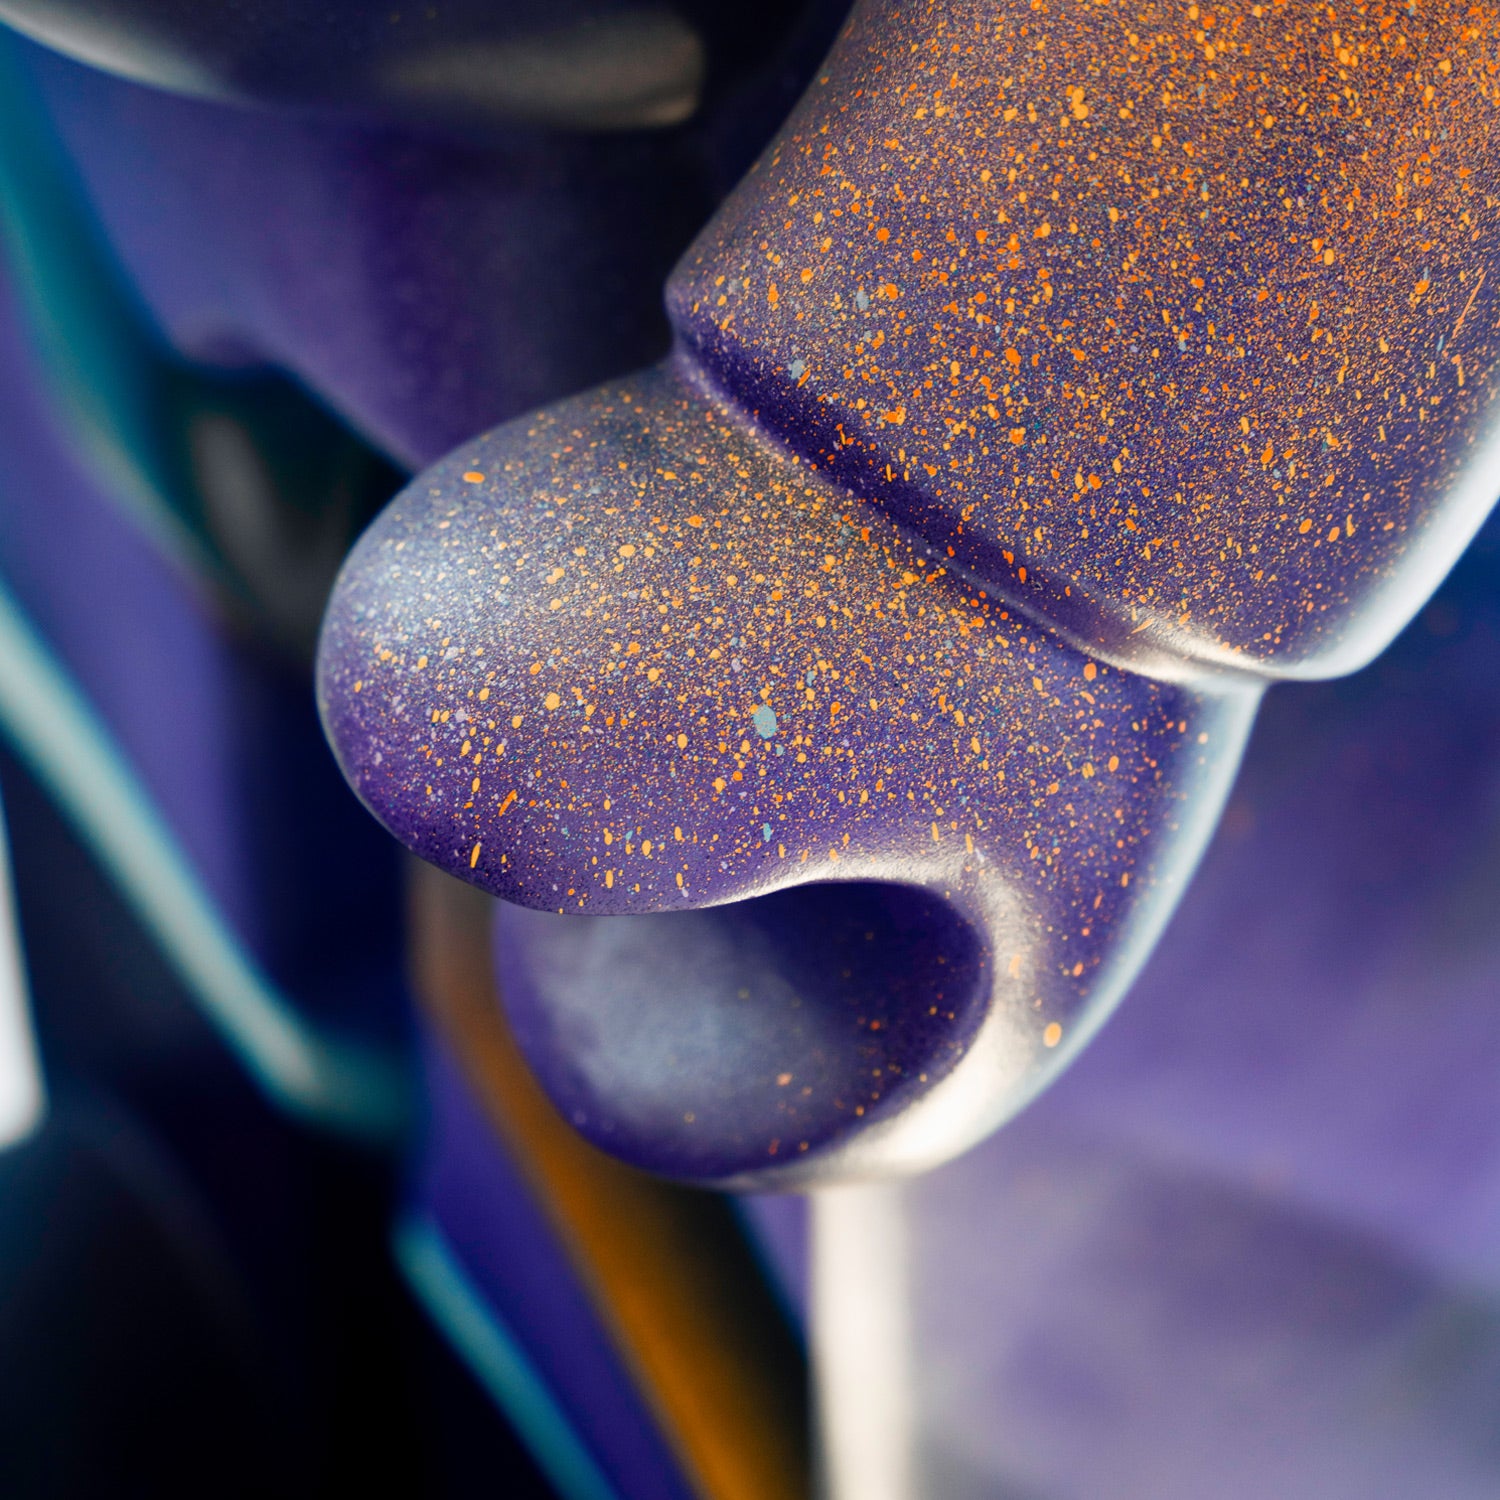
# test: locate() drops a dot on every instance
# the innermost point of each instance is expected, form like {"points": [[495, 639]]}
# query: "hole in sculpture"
{"points": [[711, 1043]]}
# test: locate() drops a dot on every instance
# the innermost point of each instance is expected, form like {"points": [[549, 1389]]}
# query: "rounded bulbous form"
{"points": [[850, 696], [630, 657]]}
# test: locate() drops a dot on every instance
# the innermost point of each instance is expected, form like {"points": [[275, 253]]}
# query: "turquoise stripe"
{"points": [[497, 1361], [107, 367], [348, 1087], [97, 343]]}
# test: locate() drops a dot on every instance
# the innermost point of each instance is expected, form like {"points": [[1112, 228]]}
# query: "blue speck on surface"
{"points": [[764, 719], [765, 833]]}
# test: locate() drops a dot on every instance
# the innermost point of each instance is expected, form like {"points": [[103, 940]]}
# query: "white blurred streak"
{"points": [[21, 1095], [862, 1344]]}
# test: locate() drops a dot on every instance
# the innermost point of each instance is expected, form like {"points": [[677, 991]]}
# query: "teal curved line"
{"points": [[347, 1087], [497, 1360], [96, 342]]}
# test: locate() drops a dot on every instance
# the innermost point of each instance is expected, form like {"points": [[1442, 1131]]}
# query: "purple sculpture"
{"points": [[840, 704], [1034, 401], [710, 675]]}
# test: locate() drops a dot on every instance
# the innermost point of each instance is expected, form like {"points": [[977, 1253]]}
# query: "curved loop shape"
{"points": [[1041, 353], [629, 656]]}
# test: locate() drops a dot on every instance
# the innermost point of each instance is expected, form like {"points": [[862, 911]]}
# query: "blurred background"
{"points": [[280, 1208]]}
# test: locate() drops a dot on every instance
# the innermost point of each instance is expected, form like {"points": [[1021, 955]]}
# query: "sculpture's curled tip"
{"points": [[629, 656], [1054, 380]]}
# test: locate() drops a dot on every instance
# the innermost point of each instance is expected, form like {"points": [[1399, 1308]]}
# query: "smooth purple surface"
{"points": [[425, 288], [748, 1021], [1093, 1320]]}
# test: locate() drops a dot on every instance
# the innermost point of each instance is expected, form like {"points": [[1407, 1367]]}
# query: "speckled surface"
{"points": [[628, 656], [1043, 388], [1174, 321]]}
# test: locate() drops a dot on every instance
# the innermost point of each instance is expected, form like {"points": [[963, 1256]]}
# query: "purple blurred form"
{"points": [[1250, 1244]]}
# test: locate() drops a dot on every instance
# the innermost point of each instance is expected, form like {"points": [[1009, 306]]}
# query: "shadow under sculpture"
{"points": [[1055, 381]]}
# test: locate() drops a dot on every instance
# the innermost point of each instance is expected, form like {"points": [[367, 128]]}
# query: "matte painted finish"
{"points": [[423, 287], [1028, 318], [1178, 328], [766, 1010], [629, 656]]}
